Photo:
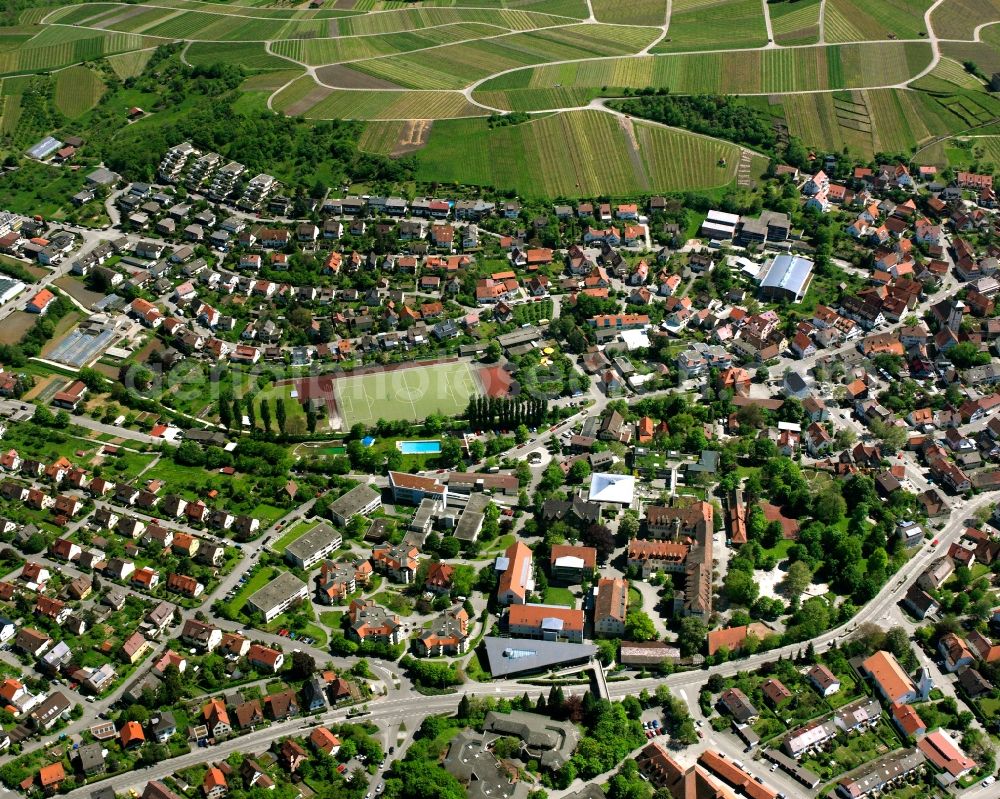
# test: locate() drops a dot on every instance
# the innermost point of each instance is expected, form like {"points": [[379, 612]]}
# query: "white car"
{"points": [[988, 781]]}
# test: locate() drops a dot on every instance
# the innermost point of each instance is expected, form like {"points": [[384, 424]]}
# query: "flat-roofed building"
{"points": [[278, 596], [362, 500], [568, 563], [313, 546]]}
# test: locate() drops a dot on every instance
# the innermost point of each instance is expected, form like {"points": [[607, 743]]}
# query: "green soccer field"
{"points": [[413, 393]]}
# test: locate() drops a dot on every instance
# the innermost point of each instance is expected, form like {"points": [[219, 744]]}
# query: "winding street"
{"points": [[410, 707]]}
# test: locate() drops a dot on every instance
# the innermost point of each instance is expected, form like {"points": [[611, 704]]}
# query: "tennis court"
{"points": [[413, 393]]}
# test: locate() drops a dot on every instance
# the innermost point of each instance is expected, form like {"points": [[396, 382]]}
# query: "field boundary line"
{"points": [[212, 10], [416, 30], [477, 84], [510, 32]]}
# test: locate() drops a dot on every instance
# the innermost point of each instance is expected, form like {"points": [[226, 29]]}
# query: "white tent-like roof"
{"points": [[614, 488]]}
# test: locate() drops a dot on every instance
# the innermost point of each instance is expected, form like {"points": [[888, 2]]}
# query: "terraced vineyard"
{"points": [[576, 154], [77, 90], [958, 19], [252, 55], [736, 72], [859, 20], [696, 25], [795, 21], [837, 74], [637, 12]]}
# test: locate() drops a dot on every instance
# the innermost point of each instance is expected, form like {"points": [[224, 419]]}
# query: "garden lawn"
{"points": [[397, 603], [331, 618], [291, 534], [559, 596], [255, 583]]}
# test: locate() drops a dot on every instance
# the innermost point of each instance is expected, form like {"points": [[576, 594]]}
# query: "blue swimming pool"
{"points": [[419, 447]]}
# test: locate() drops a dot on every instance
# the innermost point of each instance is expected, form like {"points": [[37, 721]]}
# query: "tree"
{"points": [[494, 351], [578, 472], [740, 587], [225, 413], [967, 354], [601, 538], [691, 635], [265, 414], [279, 409], [639, 627], [628, 527], [844, 438], [451, 451], [893, 437], [303, 665], [829, 506], [797, 579], [552, 478], [628, 783]]}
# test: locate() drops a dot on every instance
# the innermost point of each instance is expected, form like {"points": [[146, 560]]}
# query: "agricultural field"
{"points": [[130, 65], [638, 12], [404, 68], [56, 47], [418, 18], [866, 122], [958, 19], [696, 24], [78, 89], [315, 52], [575, 154], [743, 72], [381, 137], [456, 66], [856, 20], [952, 72], [984, 53], [306, 98], [795, 21], [984, 149], [252, 56]]}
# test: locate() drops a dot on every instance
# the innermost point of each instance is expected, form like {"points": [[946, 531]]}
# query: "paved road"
{"points": [[413, 707]]}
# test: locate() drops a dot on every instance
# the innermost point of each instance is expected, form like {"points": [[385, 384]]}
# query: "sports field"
{"points": [[413, 393], [392, 393]]}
